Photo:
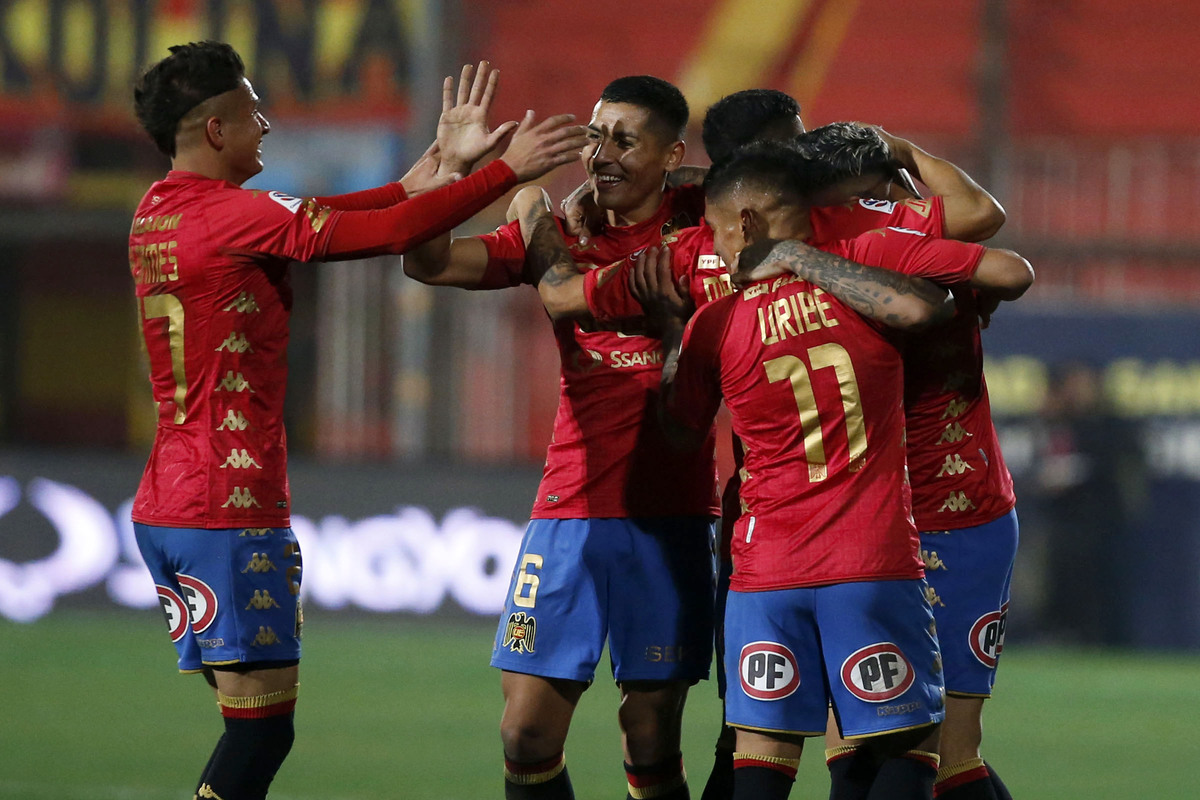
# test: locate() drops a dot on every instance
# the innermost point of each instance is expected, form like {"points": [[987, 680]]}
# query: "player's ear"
{"points": [[750, 225], [675, 156], [214, 133]]}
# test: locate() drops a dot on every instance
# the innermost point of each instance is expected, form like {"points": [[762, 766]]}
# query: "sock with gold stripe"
{"points": [[539, 780], [966, 780], [259, 732], [665, 780], [909, 776], [760, 777], [851, 772]]}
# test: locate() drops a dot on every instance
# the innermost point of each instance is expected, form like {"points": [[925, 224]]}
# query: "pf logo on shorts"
{"points": [[987, 637], [201, 601], [768, 671], [877, 673], [174, 610]]}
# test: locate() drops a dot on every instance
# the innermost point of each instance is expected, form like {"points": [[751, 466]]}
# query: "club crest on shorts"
{"points": [[987, 636], [768, 671], [201, 601], [877, 673], [519, 632], [174, 610]]}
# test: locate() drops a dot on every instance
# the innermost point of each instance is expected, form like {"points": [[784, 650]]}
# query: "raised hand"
{"points": [[538, 147], [463, 136]]}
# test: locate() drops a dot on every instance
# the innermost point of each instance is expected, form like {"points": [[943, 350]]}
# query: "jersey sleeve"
{"points": [[401, 227], [506, 257], [379, 197], [943, 261], [695, 393]]}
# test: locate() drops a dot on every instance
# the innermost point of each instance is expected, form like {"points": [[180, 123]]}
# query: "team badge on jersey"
{"points": [[201, 602], [877, 673], [174, 610], [768, 671], [882, 206], [987, 636], [519, 633], [292, 204]]}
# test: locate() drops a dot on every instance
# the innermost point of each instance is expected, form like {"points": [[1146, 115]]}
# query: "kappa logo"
{"points": [[768, 671], [877, 673], [201, 601], [520, 632], [292, 204], [987, 636], [174, 610]]}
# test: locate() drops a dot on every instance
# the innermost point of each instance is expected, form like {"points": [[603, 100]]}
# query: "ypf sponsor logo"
{"points": [[768, 671], [987, 636], [877, 673], [174, 610], [201, 602]]}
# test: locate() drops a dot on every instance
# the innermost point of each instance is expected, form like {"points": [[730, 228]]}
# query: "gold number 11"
{"points": [[793, 370]]}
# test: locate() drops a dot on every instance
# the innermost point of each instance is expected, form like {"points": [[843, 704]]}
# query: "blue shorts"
{"points": [[646, 584], [230, 596], [969, 571], [870, 649]]}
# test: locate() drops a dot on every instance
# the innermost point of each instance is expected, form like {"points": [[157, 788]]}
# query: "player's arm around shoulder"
{"points": [[884, 295], [1003, 274], [971, 213]]}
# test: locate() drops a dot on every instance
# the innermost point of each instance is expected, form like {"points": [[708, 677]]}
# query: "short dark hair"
{"points": [[845, 150], [665, 103], [774, 168], [183, 80], [740, 118]]}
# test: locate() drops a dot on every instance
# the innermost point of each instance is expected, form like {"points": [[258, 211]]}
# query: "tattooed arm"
{"points": [[880, 294], [548, 263]]}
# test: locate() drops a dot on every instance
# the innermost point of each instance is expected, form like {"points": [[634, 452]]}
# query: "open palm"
{"points": [[462, 134]]}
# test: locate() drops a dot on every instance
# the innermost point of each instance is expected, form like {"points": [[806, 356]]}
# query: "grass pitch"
{"points": [[395, 708]]}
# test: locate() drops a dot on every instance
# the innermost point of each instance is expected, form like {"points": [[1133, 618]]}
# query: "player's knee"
{"points": [[895, 744], [529, 740], [651, 722]]}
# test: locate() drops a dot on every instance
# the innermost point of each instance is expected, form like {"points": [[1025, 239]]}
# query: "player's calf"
{"points": [[664, 780]]}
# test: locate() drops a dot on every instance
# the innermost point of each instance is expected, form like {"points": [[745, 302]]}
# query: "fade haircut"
{"points": [[845, 150], [666, 104], [742, 117], [183, 80], [778, 170]]}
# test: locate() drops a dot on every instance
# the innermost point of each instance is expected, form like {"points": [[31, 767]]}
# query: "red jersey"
{"points": [[210, 268], [958, 472], [816, 396], [608, 456]]}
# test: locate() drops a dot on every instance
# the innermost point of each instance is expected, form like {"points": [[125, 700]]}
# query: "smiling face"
{"points": [[242, 127], [627, 160]]}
